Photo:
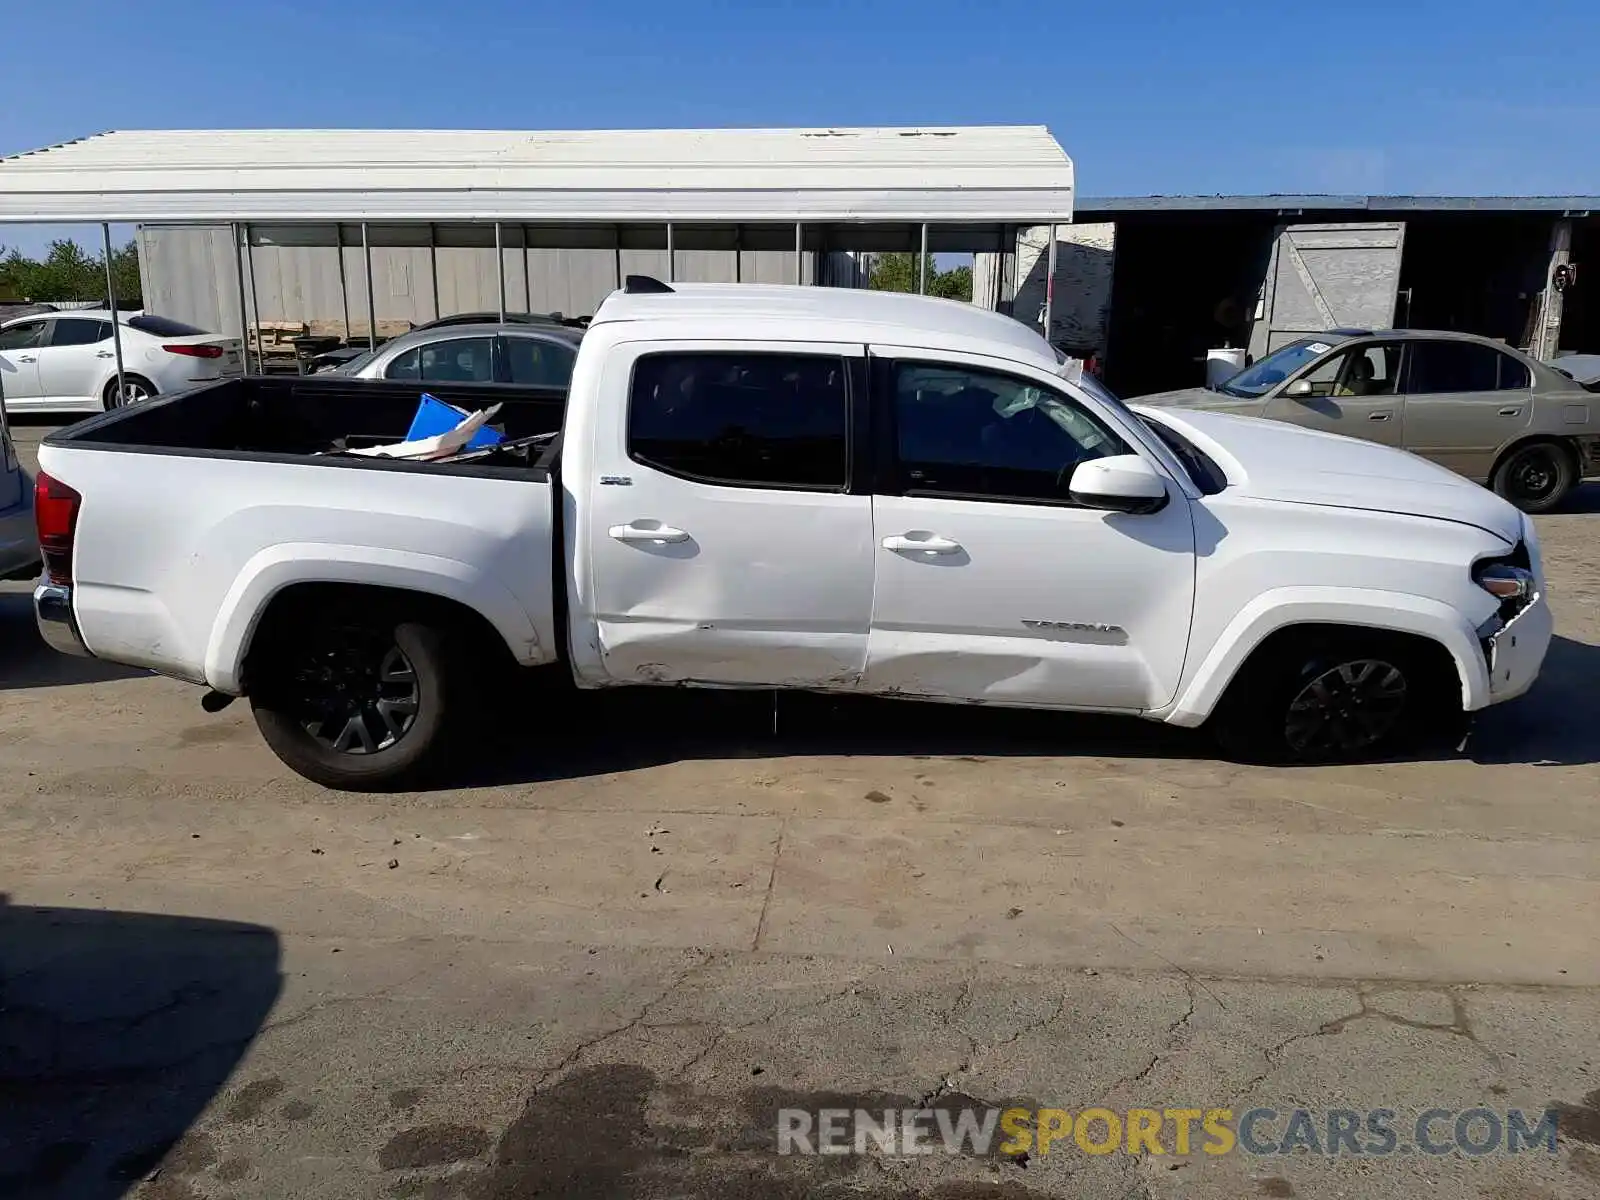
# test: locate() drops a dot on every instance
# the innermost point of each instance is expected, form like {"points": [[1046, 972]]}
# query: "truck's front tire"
{"points": [[358, 701], [1323, 695]]}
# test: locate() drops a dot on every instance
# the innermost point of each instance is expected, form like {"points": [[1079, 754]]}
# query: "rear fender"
{"points": [[277, 567], [1360, 607]]}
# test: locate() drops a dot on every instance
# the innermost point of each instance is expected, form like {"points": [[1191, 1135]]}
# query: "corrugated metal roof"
{"points": [[1099, 207], [1002, 173]]}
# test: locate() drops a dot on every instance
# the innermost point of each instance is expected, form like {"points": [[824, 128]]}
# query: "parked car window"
{"points": [[79, 331], [967, 432], [21, 336], [457, 360], [771, 420], [1513, 375], [162, 326], [1440, 367], [1362, 371], [539, 363]]}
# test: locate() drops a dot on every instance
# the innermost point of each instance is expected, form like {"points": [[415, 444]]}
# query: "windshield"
{"points": [[1272, 370]]}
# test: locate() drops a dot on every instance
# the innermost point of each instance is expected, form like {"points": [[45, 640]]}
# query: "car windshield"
{"points": [[1272, 370]]}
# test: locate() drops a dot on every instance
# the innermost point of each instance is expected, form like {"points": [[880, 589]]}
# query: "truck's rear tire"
{"points": [[359, 701], [1332, 695]]}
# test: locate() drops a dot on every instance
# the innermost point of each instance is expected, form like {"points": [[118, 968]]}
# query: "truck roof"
{"points": [[834, 315]]}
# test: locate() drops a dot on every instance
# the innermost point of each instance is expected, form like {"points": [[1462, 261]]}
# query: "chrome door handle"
{"points": [[1377, 416], [656, 533], [26, 358], [901, 544], [1510, 411], [104, 354]]}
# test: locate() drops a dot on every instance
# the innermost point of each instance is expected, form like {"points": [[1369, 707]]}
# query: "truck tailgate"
{"points": [[176, 554]]}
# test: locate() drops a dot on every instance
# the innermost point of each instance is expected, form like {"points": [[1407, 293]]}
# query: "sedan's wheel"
{"points": [[1346, 709], [135, 389], [356, 703], [1536, 477]]}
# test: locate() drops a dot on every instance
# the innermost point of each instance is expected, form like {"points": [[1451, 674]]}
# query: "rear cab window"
{"points": [[743, 419]]}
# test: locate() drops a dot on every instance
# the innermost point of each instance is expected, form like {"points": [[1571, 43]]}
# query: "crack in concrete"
{"points": [[1459, 1025], [1173, 1029], [571, 1057], [772, 878]]}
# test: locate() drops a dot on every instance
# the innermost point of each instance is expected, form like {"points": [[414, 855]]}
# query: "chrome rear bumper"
{"points": [[52, 609]]}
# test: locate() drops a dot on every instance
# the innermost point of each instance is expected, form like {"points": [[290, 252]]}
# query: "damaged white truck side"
{"points": [[760, 487]]}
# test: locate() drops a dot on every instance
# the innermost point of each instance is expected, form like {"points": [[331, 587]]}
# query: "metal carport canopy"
{"points": [[1010, 174]]}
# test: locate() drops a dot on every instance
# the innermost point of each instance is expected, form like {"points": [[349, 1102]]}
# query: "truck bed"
{"points": [[200, 508], [296, 417]]}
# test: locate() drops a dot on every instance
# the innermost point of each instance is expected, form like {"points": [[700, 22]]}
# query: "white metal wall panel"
{"points": [[1005, 173]]}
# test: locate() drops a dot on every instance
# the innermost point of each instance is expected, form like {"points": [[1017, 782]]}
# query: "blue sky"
{"points": [[1147, 96]]}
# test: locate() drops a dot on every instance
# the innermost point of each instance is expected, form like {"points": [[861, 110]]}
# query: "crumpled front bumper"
{"points": [[1516, 651]]}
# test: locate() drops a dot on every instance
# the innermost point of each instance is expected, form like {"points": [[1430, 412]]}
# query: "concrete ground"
{"points": [[643, 925]]}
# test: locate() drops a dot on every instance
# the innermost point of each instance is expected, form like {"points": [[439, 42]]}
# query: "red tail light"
{"points": [[195, 351], [55, 512]]}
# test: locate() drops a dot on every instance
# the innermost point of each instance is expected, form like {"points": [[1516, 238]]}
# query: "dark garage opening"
{"points": [[1181, 285]]}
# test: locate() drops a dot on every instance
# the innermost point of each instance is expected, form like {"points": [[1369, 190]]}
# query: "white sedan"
{"points": [[66, 362]]}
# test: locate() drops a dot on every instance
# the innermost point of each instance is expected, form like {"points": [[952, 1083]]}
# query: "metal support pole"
{"points": [[1050, 283], [616, 242], [372, 304], [344, 289], [799, 254], [672, 257], [244, 313], [111, 303], [527, 271], [738, 253], [922, 263], [255, 303], [500, 269]]}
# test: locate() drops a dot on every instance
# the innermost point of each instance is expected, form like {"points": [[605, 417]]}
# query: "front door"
{"points": [[19, 362], [992, 584], [724, 542], [1355, 392], [77, 355], [1464, 400]]}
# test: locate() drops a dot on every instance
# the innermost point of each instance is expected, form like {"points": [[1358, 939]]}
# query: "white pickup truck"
{"points": [[775, 487]]}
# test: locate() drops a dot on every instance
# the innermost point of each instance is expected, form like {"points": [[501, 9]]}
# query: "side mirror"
{"points": [[1299, 389], [1122, 483]]}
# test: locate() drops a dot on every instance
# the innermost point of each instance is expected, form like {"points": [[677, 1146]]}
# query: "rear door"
{"points": [[1323, 277], [77, 355], [19, 361], [993, 584], [725, 542], [1355, 393], [1464, 400]]}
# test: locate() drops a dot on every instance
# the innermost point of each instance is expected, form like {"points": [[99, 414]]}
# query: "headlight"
{"points": [[1505, 582]]}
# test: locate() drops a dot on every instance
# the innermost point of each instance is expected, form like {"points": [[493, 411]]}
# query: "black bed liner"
{"points": [[299, 418]]}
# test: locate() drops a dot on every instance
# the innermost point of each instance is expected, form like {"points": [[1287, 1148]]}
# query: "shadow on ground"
{"points": [[1555, 724], [553, 732], [549, 731], [116, 1030], [26, 662]]}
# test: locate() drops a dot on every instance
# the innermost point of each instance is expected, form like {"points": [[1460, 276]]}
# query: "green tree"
{"points": [[898, 273], [67, 272]]}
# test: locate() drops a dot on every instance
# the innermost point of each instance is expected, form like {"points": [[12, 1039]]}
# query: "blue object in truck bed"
{"points": [[434, 417]]}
